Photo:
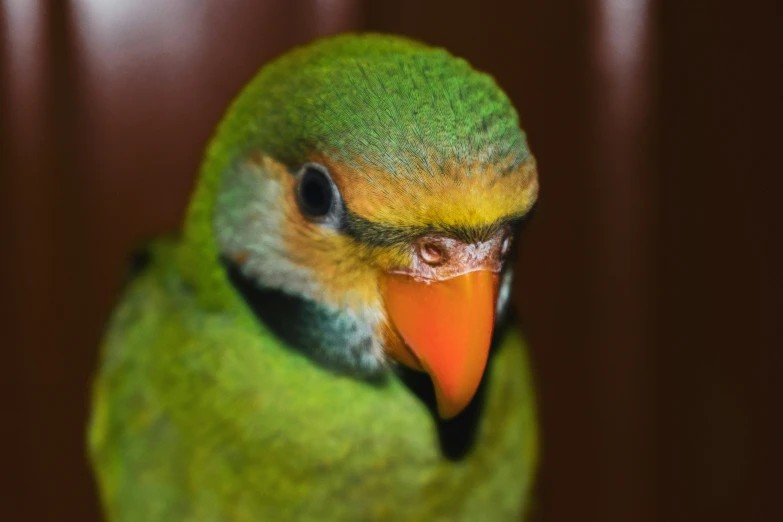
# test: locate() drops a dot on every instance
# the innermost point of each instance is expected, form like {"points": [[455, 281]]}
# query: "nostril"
{"points": [[431, 253]]}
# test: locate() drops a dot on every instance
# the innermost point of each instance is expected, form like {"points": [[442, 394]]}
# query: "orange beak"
{"points": [[447, 325]]}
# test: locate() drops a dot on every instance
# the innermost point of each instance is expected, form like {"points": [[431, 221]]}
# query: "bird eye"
{"points": [[316, 193]]}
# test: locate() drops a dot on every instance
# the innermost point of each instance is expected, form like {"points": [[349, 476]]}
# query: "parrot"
{"points": [[328, 335]]}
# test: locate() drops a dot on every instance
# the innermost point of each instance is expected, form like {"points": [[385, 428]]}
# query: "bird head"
{"points": [[368, 188]]}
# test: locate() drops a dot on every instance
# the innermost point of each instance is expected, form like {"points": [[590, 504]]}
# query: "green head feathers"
{"points": [[384, 100]]}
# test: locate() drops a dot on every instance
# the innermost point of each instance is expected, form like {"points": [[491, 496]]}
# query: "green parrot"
{"points": [[328, 338]]}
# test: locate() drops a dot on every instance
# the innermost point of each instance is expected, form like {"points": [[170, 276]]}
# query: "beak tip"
{"points": [[447, 413], [451, 405], [448, 326]]}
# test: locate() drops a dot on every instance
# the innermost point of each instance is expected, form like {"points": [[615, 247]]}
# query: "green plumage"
{"points": [[384, 100], [202, 414]]}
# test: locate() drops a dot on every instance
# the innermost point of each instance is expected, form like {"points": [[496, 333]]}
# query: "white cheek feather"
{"points": [[504, 293], [373, 316], [248, 220]]}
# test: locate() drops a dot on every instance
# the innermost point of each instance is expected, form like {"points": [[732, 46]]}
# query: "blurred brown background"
{"points": [[649, 283]]}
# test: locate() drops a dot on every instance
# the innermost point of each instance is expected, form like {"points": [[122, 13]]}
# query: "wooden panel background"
{"points": [[649, 282]]}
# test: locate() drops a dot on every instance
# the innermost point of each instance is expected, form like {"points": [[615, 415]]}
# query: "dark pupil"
{"points": [[315, 193]]}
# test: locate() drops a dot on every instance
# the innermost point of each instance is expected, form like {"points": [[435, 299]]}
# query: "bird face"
{"points": [[416, 265], [392, 233]]}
